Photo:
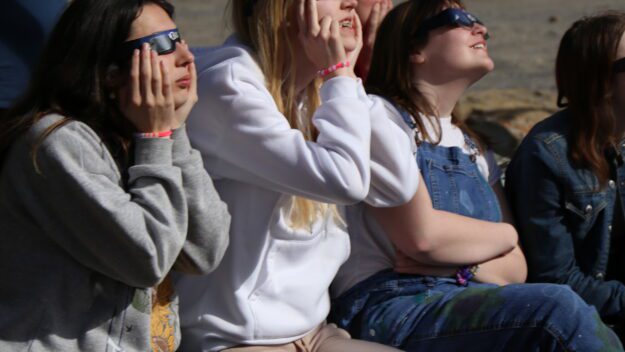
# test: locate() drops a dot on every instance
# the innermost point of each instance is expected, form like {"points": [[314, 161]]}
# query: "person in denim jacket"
{"points": [[566, 180], [411, 279]]}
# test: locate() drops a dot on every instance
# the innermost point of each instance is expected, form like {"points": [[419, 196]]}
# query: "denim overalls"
{"points": [[424, 313]]}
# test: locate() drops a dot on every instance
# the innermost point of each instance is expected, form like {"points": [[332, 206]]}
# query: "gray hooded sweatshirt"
{"points": [[80, 248]]}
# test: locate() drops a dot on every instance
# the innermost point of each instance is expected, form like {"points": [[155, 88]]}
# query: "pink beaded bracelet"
{"points": [[154, 134], [327, 71]]}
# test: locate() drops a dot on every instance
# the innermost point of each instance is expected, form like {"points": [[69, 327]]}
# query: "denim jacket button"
{"points": [[599, 276], [588, 208], [612, 184], [609, 228]]}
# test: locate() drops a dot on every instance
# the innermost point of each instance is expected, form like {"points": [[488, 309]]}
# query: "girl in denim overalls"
{"points": [[442, 272]]}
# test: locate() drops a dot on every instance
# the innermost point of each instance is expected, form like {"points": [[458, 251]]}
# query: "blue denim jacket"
{"points": [[563, 217]]}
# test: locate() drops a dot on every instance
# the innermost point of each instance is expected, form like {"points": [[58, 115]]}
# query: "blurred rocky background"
{"points": [[524, 40]]}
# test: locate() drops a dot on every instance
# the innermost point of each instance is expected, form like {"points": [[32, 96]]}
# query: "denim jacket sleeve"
{"points": [[535, 189]]}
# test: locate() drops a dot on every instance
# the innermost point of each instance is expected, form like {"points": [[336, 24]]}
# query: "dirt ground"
{"points": [[524, 40]]}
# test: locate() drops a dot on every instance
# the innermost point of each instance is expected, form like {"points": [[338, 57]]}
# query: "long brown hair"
{"points": [[73, 74], [585, 79], [268, 27], [391, 74]]}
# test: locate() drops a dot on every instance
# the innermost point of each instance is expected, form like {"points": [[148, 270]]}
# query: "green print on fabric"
{"points": [[427, 297], [385, 327], [605, 335], [470, 308], [142, 300]]}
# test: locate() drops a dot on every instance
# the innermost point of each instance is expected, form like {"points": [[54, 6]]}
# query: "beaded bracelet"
{"points": [[165, 134], [465, 274], [327, 71]]}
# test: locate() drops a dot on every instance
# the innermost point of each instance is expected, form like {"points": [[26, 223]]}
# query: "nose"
{"points": [[480, 29], [349, 4], [184, 56]]}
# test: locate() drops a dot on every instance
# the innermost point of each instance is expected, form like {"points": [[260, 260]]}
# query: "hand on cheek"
{"points": [[321, 39], [148, 101]]}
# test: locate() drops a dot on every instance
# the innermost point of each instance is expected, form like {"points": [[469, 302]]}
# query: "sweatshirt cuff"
{"points": [[343, 87], [153, 151], [182, 146]]}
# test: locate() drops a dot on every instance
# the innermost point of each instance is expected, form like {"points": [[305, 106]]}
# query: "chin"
{"points": [[485, 67], [478, 72], [180, 100], [489, 66]]}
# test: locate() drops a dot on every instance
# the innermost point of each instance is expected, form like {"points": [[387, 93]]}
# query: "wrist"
{"points": [[344, 72], [162, 134], [339, 69]]}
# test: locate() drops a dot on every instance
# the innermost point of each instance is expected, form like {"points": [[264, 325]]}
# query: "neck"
{"points": [[443, 97]]}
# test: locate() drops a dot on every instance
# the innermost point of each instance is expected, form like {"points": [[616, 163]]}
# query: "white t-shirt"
{"points": [[372, 251]]}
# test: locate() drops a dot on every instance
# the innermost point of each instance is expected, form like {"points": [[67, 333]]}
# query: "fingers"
{"points": [[166, 86], [146, 74], [313, 18], [358, 29], [375, 14], [336, 43], [374, 22], [384, 9], [325, 27], [157, 78], [193, 86], [135, 85], [301, 17]]}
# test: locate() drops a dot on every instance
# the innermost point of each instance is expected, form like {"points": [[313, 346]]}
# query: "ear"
{"points": [[417, 57]]}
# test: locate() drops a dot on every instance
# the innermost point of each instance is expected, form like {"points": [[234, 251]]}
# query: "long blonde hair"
{"points": [[268, 27]]}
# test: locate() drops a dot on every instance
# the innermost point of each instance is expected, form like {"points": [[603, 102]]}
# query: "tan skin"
{"points": [[322, 41], [435, 242], [371, 14], [161, 89]]}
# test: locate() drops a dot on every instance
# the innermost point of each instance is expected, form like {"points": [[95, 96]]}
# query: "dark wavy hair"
{"points": [[585, 80], [73, 77]]}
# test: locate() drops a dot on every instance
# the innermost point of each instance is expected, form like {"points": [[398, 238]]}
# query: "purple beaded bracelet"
{"points": [[465, 274]]}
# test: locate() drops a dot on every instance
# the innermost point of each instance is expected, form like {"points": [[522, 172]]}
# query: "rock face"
{"points": [[515, 109]]}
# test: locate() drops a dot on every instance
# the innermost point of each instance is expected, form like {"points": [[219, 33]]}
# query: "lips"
{"points": [[479, 45], [347, 23], [184, 82]]}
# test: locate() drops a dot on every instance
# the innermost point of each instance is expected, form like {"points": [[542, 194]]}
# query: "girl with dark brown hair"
{"points": [[426, 275], [567, 179], [101, 195]]}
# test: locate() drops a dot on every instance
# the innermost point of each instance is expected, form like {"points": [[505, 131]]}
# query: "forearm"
{"points": [[209, 220], [440, 238], [510, 268]]}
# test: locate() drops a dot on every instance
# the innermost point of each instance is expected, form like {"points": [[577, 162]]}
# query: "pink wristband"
{"points": [[165, 134], [327, 71]]}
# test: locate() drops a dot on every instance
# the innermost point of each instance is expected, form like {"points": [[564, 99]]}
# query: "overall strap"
{"points": [[474, 149], [408, 119]]}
